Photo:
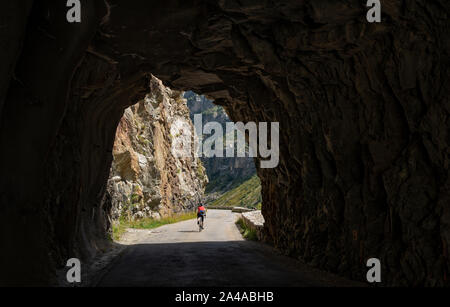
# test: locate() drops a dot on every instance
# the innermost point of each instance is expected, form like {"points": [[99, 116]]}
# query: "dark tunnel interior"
{"points": [[363, 111]]}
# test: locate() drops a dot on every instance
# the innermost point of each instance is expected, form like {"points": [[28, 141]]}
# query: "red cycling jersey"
{"points": [[201, 208]]}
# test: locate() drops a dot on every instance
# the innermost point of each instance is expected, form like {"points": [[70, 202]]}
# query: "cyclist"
{"points": [[201, 214]]}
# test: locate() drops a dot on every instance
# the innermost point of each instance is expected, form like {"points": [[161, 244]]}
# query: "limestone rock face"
{"points": [[225, 173], [147, 179]]}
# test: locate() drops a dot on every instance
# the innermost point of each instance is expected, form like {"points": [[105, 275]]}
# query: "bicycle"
{"points": [[200, 222]]}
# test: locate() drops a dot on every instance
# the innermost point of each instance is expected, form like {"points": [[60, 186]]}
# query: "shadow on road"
{"points": [[226, 263]]}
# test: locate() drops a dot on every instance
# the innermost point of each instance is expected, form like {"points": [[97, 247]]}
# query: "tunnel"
{"points": [[363, 111]]}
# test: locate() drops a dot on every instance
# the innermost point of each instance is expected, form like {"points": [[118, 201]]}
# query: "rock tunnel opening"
{"points": [[154, 181], [165, 160], [363, 167]]}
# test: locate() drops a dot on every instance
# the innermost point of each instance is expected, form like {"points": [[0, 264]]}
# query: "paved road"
{"points": [[178, 255]]}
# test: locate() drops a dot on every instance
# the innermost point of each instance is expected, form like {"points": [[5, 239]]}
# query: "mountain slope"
{"points": [[248, 194], [224, 173]]}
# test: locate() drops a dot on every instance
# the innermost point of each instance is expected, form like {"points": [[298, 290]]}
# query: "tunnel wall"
{"points": [[363, 111]]}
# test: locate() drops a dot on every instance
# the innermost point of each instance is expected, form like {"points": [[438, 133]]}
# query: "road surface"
{"points": [[178, 255]]}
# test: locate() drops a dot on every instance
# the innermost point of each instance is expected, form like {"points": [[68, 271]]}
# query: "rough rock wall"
{"points": [[363, 111], [147, 179], [54, 146]]}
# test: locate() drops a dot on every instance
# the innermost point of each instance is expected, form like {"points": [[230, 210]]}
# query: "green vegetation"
{"points": [[214, 110], [143, 140], [247, 194], [200, 172], [119, 228], [223, 182], [135, 198], [247, 233]]}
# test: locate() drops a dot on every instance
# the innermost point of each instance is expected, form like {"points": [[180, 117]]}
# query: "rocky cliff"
{"points": [[224, 173], [147, 179]]}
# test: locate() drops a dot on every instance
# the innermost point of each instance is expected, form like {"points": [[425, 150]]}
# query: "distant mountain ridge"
{"points": [[224, 173]]}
